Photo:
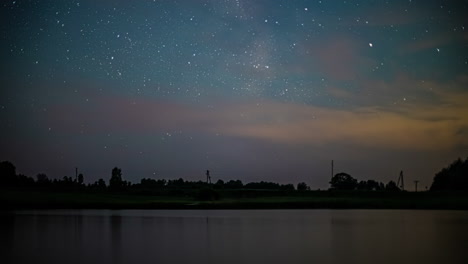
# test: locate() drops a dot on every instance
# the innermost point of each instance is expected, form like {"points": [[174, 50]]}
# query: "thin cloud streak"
{"points": [[406, 126]]}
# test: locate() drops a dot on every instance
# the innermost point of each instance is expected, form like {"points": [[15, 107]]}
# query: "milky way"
{"points": [[252, 90]]}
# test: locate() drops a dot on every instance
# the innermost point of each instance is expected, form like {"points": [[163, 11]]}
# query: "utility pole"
{"points": [[331, 179], [401, 182], [332, 169], [208, 177], [76, 174], [416, 186]]}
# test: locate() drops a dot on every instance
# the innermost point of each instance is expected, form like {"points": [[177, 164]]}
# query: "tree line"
{"points": [[344, 181], [452, 178], [116, 183]]}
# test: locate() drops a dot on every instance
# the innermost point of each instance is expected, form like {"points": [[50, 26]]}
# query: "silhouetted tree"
{"points": [[67, 179], [370, 185], [287, 187], [454, 177], [42, 180], [80, 179], [219, 184], [361, 186], [179, 183], [237, 184], [151, 183], [24, 181], [343, 181], [302, 186], [381, 186], [116, 182], [392, 186], [99, 185], [7, 173]]}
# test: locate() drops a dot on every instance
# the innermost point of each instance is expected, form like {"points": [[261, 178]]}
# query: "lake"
{"points": [[234, 236]]}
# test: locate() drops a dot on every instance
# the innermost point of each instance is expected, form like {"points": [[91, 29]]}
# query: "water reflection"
{"points": [[7, 231], [115, 222], [282, 236]]}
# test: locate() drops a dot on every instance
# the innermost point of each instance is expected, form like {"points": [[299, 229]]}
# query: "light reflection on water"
{"points": [[234, 236]]}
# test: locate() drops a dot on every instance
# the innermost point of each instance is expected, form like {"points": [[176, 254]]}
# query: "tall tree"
{"points": [[7, 173], [343, 181], [116, 181], [80, 179], [452, 178], [302, 186]]}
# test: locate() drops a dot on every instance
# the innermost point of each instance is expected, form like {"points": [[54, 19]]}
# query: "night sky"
{"points": [[251, 90]]}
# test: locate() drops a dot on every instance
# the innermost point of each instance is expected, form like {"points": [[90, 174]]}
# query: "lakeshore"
{"points": [[241, 199]]}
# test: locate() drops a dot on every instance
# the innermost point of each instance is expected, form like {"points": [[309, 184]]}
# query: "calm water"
{"points": [[234, 236]]}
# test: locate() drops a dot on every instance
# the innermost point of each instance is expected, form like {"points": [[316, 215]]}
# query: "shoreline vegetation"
{"points": [[248, 199], [449, 191]]}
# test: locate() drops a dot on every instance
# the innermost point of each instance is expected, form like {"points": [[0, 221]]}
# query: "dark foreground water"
{"points": [[234, 236]]}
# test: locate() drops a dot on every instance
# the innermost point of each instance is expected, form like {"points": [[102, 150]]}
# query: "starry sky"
{"points": [[252, 90]]}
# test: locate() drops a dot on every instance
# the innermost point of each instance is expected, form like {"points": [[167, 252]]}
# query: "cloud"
{"points": [[399, 90], [413, 126], [364, 126], [426, 44]]}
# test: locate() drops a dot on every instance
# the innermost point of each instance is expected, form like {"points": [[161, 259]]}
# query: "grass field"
{"points": [[16, 199]]}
